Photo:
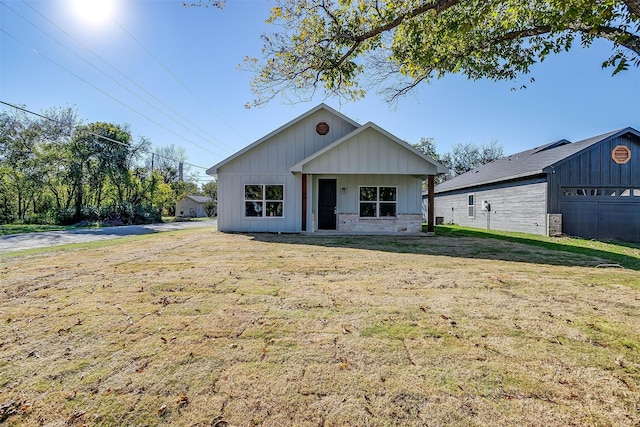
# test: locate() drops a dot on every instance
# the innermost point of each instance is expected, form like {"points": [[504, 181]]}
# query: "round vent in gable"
{"points": [[322, 128], [621, 154]]}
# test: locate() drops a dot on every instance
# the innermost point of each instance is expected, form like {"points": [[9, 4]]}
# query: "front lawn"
{"points": [[201, 328]]}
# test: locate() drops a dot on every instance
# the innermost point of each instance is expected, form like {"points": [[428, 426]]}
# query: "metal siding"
{"points": [[620, 221]]}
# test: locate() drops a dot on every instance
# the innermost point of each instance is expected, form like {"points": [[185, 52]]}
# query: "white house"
{"points": [[323, 171], [192, 206]]}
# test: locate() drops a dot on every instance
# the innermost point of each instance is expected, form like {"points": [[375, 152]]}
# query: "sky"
{"points": [[172, 75]]}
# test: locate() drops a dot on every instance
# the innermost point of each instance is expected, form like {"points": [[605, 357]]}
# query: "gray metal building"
{"points": [[589, 188]]}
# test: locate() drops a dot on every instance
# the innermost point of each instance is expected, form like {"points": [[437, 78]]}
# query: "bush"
{"points": [[47, 218], [63, 216], [211, 208], [121, 214]]}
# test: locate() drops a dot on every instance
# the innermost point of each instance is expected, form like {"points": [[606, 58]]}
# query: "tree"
{"points": [[427, 146], [98, 151], [166, 160], [33, 162], [465, 157], [396, 45], [462, 157], [211, 189]]}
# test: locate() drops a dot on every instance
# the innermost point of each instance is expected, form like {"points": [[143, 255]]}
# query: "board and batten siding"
{"points": [[595, 213], [269, 163], [369, 152], [290, 146], [348, 202], [408, 192], [595, 168], [520, 206], [231, 203]]}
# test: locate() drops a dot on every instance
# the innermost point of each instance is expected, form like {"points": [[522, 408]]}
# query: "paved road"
{"points": [[18, 242]]}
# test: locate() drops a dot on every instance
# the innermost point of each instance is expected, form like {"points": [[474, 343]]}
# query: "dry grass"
{"points": [[199, 328]]}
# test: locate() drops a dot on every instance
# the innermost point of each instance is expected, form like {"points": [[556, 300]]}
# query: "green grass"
{"points": [[196, 328], [6, 229], [184, 219], [626, 254]]}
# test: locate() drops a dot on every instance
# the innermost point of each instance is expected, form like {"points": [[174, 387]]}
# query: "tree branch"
{"points": [[438, 6], [617, 35]]}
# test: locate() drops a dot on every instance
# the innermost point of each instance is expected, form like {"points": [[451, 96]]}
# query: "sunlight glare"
{"points": [[93, 11]]}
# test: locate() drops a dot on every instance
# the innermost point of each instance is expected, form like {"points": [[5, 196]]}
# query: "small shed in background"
{"points": [[192, 206]]}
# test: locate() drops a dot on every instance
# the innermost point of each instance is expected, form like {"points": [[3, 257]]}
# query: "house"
{"points": [[322, 171], [588, 188], [192, 206]]}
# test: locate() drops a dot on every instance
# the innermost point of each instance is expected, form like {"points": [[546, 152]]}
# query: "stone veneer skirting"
{"points": [[554, 225], [403, 223]]}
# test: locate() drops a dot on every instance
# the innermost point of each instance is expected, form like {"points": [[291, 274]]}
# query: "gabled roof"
{"points": [[298, 168], [527, 163], [199, 199], [214, 169]]}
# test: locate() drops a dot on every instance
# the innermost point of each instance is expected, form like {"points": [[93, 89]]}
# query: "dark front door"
{"points": [[327, 204]]}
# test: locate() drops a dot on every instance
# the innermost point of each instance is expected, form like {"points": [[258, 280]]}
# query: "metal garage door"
{"points": [[601, 213], [619, 221]]}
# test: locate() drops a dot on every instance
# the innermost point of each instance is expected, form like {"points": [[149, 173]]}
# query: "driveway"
{"points": [[18, 242]]}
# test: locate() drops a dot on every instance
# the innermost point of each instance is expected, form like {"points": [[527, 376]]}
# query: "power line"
{"points": [[97, 88], [178, 80], [185, 119], [97, 135]]}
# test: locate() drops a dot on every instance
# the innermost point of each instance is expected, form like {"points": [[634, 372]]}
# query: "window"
{"points": [[471, 204], [263, 200], [377, 202]]}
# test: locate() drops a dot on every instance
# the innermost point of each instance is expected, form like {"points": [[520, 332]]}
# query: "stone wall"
{"points": [[403, 223]]}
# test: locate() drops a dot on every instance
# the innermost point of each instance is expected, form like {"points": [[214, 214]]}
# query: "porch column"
{"points": [[304, 202], [431, 204]]}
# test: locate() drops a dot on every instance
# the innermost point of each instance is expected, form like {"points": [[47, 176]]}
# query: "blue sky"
{"points": [[172, 74]]}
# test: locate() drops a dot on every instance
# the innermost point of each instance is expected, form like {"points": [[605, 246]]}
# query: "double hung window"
{"points": [[263, 200], [471, 204], [377, 202]]}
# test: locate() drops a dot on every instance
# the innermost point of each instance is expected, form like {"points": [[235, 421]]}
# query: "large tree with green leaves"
{"points": [[347, 47]]}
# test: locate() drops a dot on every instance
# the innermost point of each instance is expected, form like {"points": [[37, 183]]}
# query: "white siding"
{"points": [[269, 163], [369, 152], [348, 203], [290, 146], [231, 203], [520, 208], [190, 208]]}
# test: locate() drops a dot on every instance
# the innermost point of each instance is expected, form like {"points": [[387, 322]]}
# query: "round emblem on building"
{"points": [[322, 128], [621, 154]]}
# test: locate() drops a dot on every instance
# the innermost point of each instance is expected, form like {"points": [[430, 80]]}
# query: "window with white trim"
{"points": [[264, 200], [471, 204], [378, 202]]}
